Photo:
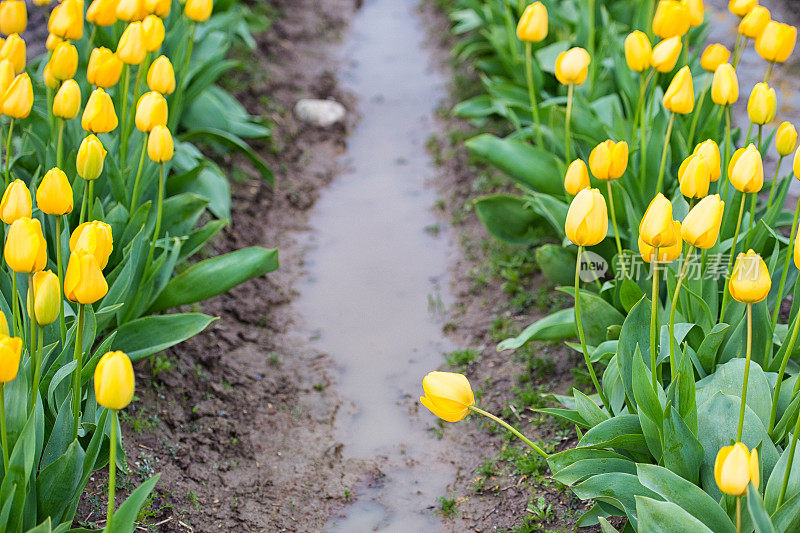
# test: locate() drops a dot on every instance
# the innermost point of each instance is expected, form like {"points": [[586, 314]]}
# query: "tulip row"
{"points": [[87, 303], [696, 404]]}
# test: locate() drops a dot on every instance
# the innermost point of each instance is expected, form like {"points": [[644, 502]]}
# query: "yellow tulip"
{"points": [[16, 202], [83, 281], [154, 31], [672, 19], [6, 75], [796, 252], [608, 160], [701, 226], [14, 50], [572, 66], [160, 147], [158, 7], [734, 159], [26, 249], [656, 228], [638, 51], [161, 76], [64, 61], [114, 382], [91, 157], [54, 194], [10, 355], [532, 26], [713, 56], [3, 324], [67, 101], [66, 20], [786, 139], [735, 467], [725, 87], [577, 177], [796, 164], [131, 10], [102, 12], [696, 12], [131, 47], [104, 68], [447, 395], [776, 42], [666, 254], [587, 218], [49, 80], [710, 152], [753, 24], [18, 99], [46, 297], [747, 174], [741, 8], [198, 10], [679, 97], [151, 111], [99, 115], [52, 41], [763, 104], [694, 176], [665, 54], [93, 238], [750, 281], [13, 16]]}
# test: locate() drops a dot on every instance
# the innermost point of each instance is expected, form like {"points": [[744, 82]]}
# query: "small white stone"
{"points": [[322, 113]]}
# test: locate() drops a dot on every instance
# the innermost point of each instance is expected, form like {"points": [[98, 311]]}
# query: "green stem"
{"points": [[158, 213], [112, 468], [614, 218], [34, 356], [511, 428], [3, 433], [532, 92], [654, 318], [748, 353], [60, 271], [82, 218], [90, 200], [726, 155], [698, 111], [750, 231], [769, 71], [123, 133], [774, 183], [14, 302], [664, 152], [582, 337], [60, 145], [736, 49], [672, 363], [8, 152], [175, 105], [591, 46], [135, 195], [789, 462], [570, 91], [638, 113], [781, 372], [76, 374], [727, 293], [786, 261], [738, 514]]}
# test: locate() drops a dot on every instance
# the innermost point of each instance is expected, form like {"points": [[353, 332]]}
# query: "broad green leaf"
{"points": [[728, 379], [509, 218], [758, 512], [558, 325], [666, 517], [152, 334], [59, 479], [557, 263], [124, 520], [618, 489]]}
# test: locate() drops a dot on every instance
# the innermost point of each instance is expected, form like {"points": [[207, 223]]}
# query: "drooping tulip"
{"points": [[713, 56], [776, 42], [679, 97], [161, 76], [448, 395], [532, 26], [701, 226], [656, 228], [99, 115], [67, 101], [665, 54], [16, 202], [750, 280], [46, 298], [587, 218], [83, 281], [725, 87], [114, 382], [638, 51], [747, 174], [572, 66], [54, 194], [26, 250], [608, 160], [577, 177]]}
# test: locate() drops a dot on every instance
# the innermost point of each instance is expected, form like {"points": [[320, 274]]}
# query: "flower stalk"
{"points": [[581, 336]]}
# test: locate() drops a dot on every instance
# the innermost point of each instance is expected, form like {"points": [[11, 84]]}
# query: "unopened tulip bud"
{"points": [[153, 32], [104, 68], [679, 97], [763, 104], [656, 228], [10, 355], [587, 218], [14, 50], [532, 26], [747, 174], [151, 111], [64, 61], [713, 56], [66, 20], [694, 176], [46, 298], [114, 382], [13, 16], [52, 41], [796, 252], [54, 194], [6, 75], [572, 66], [158, 7], [725, 87], [67, 101], [131, 10], [735, 467], [49, 80], [741, 8], [750, 281], [102, 12], [26, 249], [796, 164], [16, 202], [198, 10], [577, 177], [638, 51], [93, 238], [448, 395], [786, 139], [665, 54], [99, 115], [3, 324], [83, 281], [701, 226], [131, 48], [710, 152], [672, 19], [160, 147], [696, 12], [91, 156], [18, 99], [776, 42], [666, 254], [753, 24], [161, 76], [608, 160]]}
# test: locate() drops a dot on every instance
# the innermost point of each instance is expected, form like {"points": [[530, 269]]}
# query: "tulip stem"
{"points": [[132, 119], [123, 134], [769, 71], [750, 232], [175, 105], [135, 195], [90, 200], [726, 155], [664, 152], [782, 284], [112, 468], [60, 145], [738, 514], [774, 183], [8, 152], [672, 363], [581, 336], [35, 360], [654, 317], [727, 293], [787, 354], [76, 374], [698, 111], [748, 353], [60, 271], [736, 47], [82, 218], [643, 123], [789, 461], [570, 91], [532, 92], [159, 209], [614, 217], [3, 433], [511, 428]]}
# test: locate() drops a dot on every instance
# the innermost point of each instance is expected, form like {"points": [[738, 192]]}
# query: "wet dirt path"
{"points": [[377, 283]]}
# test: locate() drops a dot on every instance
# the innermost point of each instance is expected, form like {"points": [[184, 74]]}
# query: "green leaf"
{"points": [[597, 315], [588, 410], [728, 379], [707, 353], [509, 218], [557, 263], [59, 479], [758, 513], [232, 141], [623, 432], [635, 333], [618, 489], [151, 334], [666, 517], [683, 453], [554, 326], [124, 520]]}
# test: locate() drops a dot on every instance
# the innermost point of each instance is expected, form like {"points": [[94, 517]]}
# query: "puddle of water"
{"points": [[377, 280]]}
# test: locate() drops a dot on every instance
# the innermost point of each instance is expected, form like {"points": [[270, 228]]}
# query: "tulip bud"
{"points": [[725, 87], [102, 12], [13, 16], [158, 7], [671, 19], [748, 170], [666, 254], [91, 156], [638, 51], [131, 10], [735, 468], [46, 297], [665, 54], [114, 382], [14, 50], [710, 152], [796, 164], [161, 76], [734, 159], [52, 41], [153, 28], [656, 228], [131, 47], [785, 139], [696, 12], [10, 355], [26, 249], [679, 97], [694, 176], [572, 66], [16, 202], [532, 26], [64, 61], [447, 395], [713, 56], [701, 226], [47, 76], [99, 115], [741, 8], [577, 177], [587, 218], [753, 24], [796, 252], [66, 20], [151, 111], [3, 324], [160, 148], [750, 281], [104, 68], [54, 195], [6, 75], [609, 160], [198, 10], [776, 42], [18, 99], [67, 101], [83, 281], [93, 238]]}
